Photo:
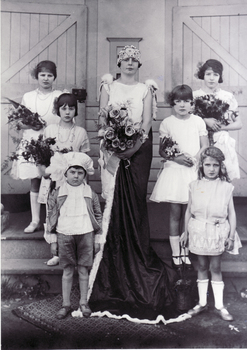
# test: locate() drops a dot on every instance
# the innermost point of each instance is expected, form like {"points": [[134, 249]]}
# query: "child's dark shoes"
{"points": [[85, 309], [224, 314], [63, 312], [197, 310], [177, 263]]}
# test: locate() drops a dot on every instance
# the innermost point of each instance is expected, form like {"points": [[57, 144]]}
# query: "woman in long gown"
{"points": [[130, 278]]}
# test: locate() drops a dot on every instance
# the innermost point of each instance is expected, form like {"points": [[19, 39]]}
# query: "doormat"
{"points": [[92, 330]]}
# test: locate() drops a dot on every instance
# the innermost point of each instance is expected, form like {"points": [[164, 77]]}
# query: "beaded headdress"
{"points": [[127, 52]]}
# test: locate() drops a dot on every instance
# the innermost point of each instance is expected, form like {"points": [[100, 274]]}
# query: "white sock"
{"points": [[218, 287], [202, 286], [35, 207], [175, 246]]}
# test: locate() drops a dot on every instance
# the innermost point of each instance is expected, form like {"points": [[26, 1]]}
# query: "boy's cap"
{"points": [[61, 162], [79, 159]]}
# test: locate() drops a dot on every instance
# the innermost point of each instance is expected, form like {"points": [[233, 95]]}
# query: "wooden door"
{"points": [[32, 32], [219, 32]]}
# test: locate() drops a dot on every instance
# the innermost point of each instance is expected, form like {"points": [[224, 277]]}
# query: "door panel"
{"points": [[32, 33], [203, 32]]}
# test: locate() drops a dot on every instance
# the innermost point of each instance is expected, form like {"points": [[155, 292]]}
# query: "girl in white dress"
{"points": [[69, 137], [210, 227], [211, 72], [40, 101], [189, 131]]}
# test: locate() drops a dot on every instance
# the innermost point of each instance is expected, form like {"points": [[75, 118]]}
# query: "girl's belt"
{"points": [[215, 222]]}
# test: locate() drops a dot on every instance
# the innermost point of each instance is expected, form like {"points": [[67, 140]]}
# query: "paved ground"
{"points": [[204, 331]]}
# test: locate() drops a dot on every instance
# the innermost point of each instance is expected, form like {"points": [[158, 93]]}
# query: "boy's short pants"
{"points": [[76, 249]]}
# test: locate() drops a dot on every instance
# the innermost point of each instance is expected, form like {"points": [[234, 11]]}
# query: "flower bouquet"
{"points": [[118, 131], [38, 151], [19, 113], [208, 106], [170, 148]]}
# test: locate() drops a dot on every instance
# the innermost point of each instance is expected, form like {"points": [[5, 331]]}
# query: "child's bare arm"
{"points": [[232, 222], [184, 240]]}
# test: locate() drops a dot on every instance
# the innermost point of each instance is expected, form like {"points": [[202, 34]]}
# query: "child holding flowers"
{"points": [[38, 101], [211, 73], [210, 227], [68, 137], [183, 136]]}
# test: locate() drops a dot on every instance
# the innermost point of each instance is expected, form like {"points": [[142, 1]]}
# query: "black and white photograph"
{"points": [[123, 174]]}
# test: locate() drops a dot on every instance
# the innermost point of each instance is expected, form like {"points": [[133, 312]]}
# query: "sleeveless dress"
{"points": [[222, 138], [173, 182], [208, 227], [127, 276], [21, 169]]}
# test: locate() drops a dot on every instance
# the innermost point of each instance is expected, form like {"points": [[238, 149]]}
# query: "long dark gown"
{"points": [[131, 279]]}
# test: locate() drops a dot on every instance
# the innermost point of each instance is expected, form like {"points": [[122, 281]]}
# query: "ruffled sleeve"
{"points": [[153, 87], [106, 80]]}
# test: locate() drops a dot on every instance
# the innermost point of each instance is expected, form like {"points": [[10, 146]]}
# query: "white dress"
{"points": [[222, 138], [75, 138], [118, 93], [173, 182], [209, 227], [43, 105]]}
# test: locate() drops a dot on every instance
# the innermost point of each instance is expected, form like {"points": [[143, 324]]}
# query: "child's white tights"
{"points": [[67, 282]]}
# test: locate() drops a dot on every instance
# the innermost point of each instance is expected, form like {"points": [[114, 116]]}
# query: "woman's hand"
{"points": [[213, 124], [184, 160], [130, 151], [96, 248], [229, 244], [54, 248], [184, 240]]}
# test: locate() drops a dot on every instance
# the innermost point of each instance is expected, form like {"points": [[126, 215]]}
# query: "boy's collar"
{"points": [[64, 190]]}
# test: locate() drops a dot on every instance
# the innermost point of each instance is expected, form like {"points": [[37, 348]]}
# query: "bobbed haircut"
{"points": [[65, 99], [217, 154], [215, 65], [180, 92], [43, 66]]}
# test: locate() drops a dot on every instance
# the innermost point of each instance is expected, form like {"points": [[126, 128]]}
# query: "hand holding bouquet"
{"points": [[20, 114], [117, 129], [208, 106], [170, 148], [37, 151]]}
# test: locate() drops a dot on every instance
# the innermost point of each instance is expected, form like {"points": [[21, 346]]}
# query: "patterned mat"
{"points": [[93, 330]]}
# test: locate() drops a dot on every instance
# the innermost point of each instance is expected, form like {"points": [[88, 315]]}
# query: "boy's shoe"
{"points": [[85, 309], [53, 261], [197, 310], [63, 312], [224, 314]]}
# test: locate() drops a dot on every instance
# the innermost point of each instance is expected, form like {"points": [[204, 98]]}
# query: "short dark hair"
{"points": [[64, 100], [180, 92], [49, 65], [215, 65]]}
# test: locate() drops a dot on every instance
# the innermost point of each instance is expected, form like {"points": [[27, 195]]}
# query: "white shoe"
{"points": [[32, 227], [53, 261]]}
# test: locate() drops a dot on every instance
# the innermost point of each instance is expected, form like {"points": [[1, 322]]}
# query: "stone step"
{"points": [[234, 273]]}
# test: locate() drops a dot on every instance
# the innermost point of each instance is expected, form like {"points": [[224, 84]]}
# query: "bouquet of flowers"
{"points": [[19, 113], [170, 147], [119, 132], [209, 106], [38, 151]]}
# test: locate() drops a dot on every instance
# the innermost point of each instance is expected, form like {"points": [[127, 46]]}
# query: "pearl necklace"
{"points": [[71, 129], [43, 99]]}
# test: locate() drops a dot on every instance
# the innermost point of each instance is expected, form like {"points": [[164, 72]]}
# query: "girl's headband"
{"points": [[127, 52]]}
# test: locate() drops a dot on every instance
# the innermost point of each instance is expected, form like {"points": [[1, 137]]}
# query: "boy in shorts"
{"points": [[73, 220]]}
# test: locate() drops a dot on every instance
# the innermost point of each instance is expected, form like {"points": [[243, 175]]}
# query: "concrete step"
{"points": [[234, 273]]}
